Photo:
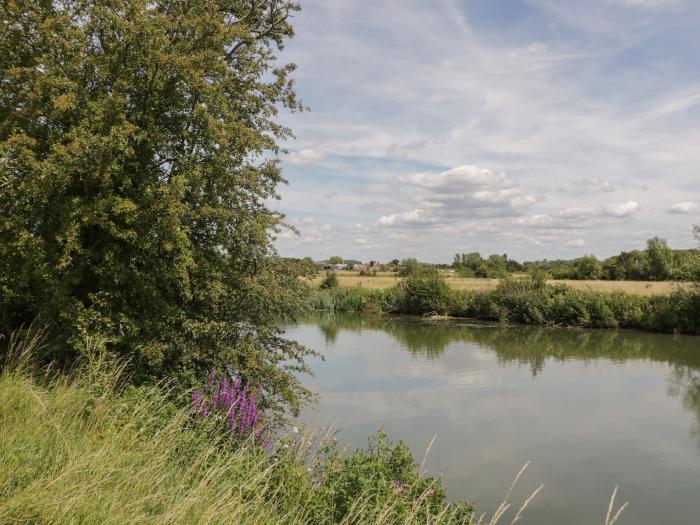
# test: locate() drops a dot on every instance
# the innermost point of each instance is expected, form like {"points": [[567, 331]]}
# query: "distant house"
{"points": [[334, 266], [373, 266]]}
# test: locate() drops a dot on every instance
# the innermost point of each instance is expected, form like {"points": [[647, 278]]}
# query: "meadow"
{"points": [[385, 280]]}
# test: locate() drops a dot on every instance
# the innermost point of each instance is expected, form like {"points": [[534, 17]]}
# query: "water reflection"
{"points": [[533, 346], [592, 409]]}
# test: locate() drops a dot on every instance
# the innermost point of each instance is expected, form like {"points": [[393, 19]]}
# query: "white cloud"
{"points": [[619, 211], [472, 190], [575, 242], [537, 47], [413, 217], [684, 208], [305, 157], [574, 96], [646, 3], [623, 210], [402, 151], [535, 220], [450, 196], [587, 185]]}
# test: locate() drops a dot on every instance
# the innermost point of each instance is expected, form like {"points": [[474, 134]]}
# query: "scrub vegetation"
{"points": [[528, 301]]}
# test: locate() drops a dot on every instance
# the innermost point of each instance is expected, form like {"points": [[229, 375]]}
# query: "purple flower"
{"points": [[234, 402]]}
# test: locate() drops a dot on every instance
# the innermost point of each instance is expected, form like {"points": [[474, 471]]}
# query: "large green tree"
{"points": [[589, 267], [659, 259], [138, 155]]}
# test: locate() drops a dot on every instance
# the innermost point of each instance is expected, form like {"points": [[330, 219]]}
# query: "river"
{"points": [[589, 409]]}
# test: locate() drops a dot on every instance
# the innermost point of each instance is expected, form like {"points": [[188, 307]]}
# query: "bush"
{"points": [[387, 472], [329, 281], [421, 293], [347, 300]]}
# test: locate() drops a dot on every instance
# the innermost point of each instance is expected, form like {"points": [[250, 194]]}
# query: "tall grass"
{"points": [[87, 448], [347, 299]]}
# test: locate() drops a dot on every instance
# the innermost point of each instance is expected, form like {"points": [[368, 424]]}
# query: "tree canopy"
{"points": [[138, 152]]}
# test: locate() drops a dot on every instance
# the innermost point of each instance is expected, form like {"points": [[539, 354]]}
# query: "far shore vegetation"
{"points": [[529, 300]]}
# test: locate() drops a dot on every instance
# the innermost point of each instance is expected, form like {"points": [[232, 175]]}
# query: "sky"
{"points": [[536, 128]]}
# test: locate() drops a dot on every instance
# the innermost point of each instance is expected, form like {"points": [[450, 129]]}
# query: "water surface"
{"points": [[590, 409]]}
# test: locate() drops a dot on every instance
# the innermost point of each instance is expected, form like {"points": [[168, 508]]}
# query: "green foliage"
{"points": [[525, 301], [329, 281], [137, 154], [347, 300], [659, 259], [421, 293], [657, 263], [538, 277], [589, 267], [408, 267], [495, 266], [79, 450], [386, 471], [335, 259]]}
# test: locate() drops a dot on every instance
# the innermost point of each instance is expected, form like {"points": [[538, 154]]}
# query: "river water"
{"points": [[589, 409]]}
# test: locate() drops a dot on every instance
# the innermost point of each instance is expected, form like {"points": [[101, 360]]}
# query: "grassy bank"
{"points": [[82, 449], [523, 301]]}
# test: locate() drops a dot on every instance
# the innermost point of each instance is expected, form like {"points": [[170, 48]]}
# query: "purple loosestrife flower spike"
{"points": [[197, 400], [223, 389]]}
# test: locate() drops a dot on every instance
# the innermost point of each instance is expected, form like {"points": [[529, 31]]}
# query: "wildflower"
{"points": [[232, 401]]}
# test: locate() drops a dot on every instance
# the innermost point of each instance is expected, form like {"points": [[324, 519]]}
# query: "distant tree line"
{"points": [[658, 262]]}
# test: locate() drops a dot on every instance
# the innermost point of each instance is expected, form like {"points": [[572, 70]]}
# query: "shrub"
{"points": [[422, 293], [329, 281], [387, 472], [408, 267], [347, 300], [523, 301]]}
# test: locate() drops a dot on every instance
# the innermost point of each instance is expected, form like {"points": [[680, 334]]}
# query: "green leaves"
{"points": [[137, 144]]}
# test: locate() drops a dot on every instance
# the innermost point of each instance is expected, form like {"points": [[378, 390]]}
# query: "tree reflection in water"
{"points": [[533, 346]]}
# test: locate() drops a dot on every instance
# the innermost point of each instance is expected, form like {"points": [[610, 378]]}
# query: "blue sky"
{"points": [[537, 128]]}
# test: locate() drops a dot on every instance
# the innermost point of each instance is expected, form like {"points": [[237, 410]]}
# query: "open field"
{"points": [[387, 280]]}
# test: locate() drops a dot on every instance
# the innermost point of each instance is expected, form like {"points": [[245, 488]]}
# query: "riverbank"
{"points": [[522, 301], [87, 448]]}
